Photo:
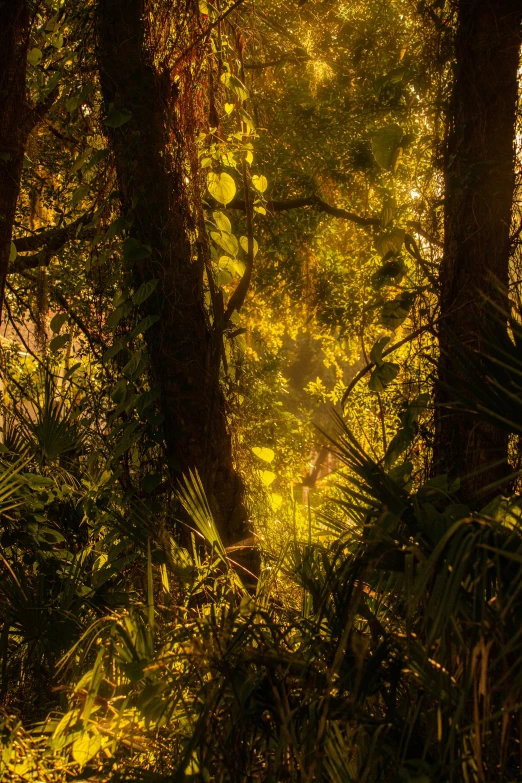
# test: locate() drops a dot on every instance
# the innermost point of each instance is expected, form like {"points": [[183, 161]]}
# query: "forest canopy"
{"points": [[261, 412]]}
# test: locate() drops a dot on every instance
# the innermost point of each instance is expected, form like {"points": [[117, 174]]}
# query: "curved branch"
{"points": [[53, 238], [389, 350], [416, 226], [311, 201], [291, 60]]}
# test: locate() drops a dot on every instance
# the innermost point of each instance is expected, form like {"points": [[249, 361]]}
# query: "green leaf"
{"points": [[119, 392], [86, 747], [133, 365], [227, 241], [228, 268], [116, 227], [384, 374], [247, 119], [34, 56], [51, 84], [111, 352], [388, 211], [134, 251], [144, 291], [12, 253], [221, 187], [222, 222], [234, 84], [116, 118], [58, 321], [57, 41], [399, 443], [117, 314], [243, 241], [402, 473], [58, 342], [385, 145], [264, 453], [143, 325], [276, 501], [229, 108], [260, 183], [267, 477], [77, 98], [376, 352], [415, 409], [390, 273], [79, 194], [390, 242], [395, 311]]}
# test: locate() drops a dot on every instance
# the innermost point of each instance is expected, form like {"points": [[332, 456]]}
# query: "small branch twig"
{"points": [[389, 350]]}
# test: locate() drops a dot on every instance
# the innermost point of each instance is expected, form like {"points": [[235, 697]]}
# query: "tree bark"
{"points": [[150, 152], [479, 186], [14, 120]]}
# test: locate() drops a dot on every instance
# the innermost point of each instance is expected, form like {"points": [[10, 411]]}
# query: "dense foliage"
{"points": [[260, 421]]}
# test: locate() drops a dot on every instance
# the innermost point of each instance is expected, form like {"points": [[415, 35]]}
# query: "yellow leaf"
{"points": [[267, 477], [86, 747], [277, 501], [221, 186], [266, 454], [243, 241], [260, 183]]}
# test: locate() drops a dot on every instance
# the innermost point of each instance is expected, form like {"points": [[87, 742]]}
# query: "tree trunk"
{"points": [[479, 186], [151, 151], [14, 111]]}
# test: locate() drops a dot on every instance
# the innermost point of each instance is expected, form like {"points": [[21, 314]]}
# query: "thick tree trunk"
{"points": [[184, 357], [479, 185], [14, 120]]}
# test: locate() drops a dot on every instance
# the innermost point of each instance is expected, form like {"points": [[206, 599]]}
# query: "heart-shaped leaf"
{"points": [[384, 374], [264, 453], [221, 187], [260, 183], [385, 145]]}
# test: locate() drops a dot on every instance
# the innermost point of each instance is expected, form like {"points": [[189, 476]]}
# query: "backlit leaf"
{"points": [[264, 453], [86, 747], [267, 477], [234, 84], [34, 56], [226, 241], [221, 187], [243, 241], [385, 144], [260, 183], [384, 374], [222, 222]]}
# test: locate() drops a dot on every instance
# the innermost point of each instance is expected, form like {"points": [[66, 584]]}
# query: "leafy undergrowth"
{"points": [[127, 656]]}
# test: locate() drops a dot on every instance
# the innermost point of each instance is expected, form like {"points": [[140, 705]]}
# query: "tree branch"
{"points": [[54, 238], [291, 59], [371, 365], [416, 226], [311, 201]]}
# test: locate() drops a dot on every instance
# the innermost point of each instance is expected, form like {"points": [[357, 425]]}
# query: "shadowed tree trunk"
{"points": [[152, 153], [17, 119], [479, 185], [14, 111]]}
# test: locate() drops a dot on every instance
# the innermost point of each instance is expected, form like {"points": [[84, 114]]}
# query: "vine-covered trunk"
{"points": [[14, 39], [152, 154], [479, 185]]}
